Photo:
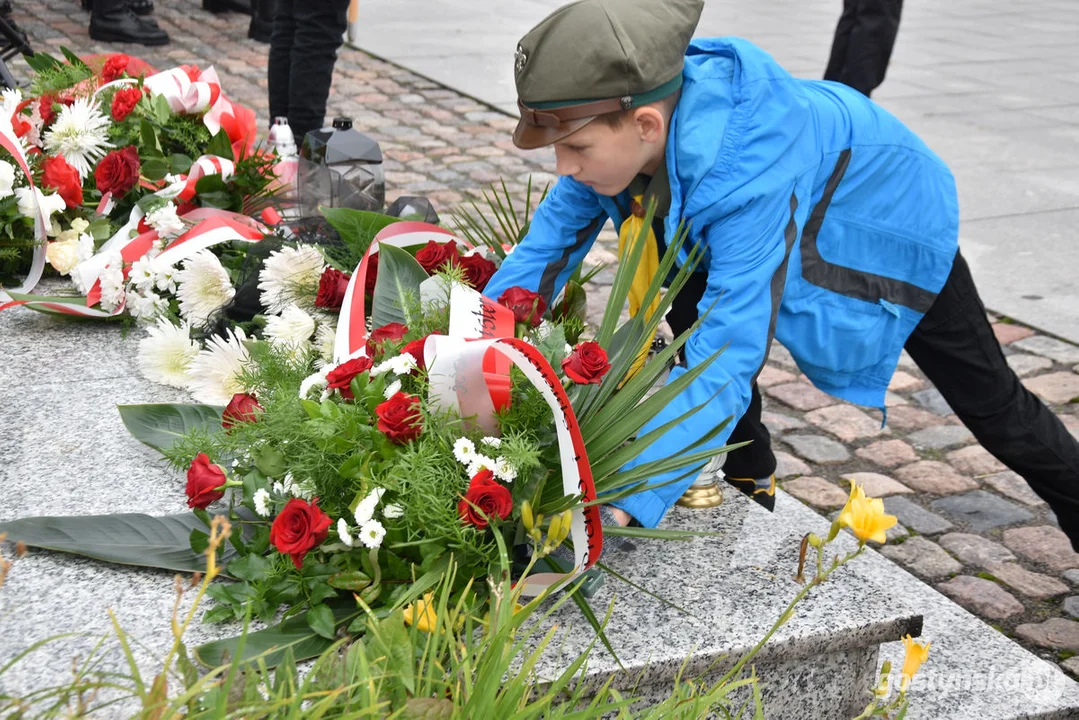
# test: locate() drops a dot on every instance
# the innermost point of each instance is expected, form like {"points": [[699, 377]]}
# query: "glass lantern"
{"points": [[340, 167]]}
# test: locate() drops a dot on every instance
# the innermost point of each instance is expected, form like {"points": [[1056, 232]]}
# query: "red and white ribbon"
{"points": [[184, 95], [11, 143], [205, 165]]}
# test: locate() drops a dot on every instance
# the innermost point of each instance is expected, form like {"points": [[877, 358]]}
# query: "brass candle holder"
{"points": [[704, 492]]}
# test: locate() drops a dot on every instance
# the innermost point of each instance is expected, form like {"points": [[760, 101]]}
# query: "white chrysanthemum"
{"points": [[112, 284], [365, 509], [402, 364], [262, 502], [166, 354], [392, 389], [393, 511], [81, 134], [7, 179], [495, 442], [203, 288], [325, 339], [30, 200], [464, 450], [291, 331], [142, 275], [290, 276], [215, 372], [371, 534], [165, 220], [342, 532], [165, 278], [480, 462], [503, 470], [315, 380]]}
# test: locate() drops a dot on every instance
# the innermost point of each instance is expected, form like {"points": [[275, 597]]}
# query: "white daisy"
{"points": [[165, 278], [290, 275], [495, 442], [203, 288], [262, 502], [402, 364], [215, 372], [7, 179], [365, 510], [146, 307], [480, 462], [371, 534], [142, 275], [291, 331], [325, 339], [393, 510], [315, 380], [165, 356], [464, 450], [166, 221], [342, 532], [503, 470], [392, 389], [81, 134]]}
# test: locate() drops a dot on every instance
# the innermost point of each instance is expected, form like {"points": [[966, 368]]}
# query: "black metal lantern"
{"points": [[340, 167]]}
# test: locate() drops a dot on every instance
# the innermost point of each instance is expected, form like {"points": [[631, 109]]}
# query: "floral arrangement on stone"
{"points": [[441, 425], [130, 182]]}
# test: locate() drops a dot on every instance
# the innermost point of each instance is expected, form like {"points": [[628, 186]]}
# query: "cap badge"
{"points": [[519, 59]]}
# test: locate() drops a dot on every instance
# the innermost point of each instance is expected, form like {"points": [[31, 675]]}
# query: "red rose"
{"points": [[62, 178], [434, 255], [399, 418], [527, 306], [340, 378], [478, 270], [331, 289], [492, 499], [118, 172], [205, 482], [586, 364], [242, 408], [390, 331], [415, 349], [301, 526], [115, 66], [372, 276], [124, 101]]}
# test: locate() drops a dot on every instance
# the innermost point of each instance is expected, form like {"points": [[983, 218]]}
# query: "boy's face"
{"points": [[607, 158]]}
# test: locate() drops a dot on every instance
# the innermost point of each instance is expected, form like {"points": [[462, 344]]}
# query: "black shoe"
{"points": [[141, 7], [125, 26], [5, 8]]}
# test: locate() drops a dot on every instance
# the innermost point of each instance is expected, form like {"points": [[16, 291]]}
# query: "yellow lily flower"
{"points": [[916, 655], [865, 516], [422, 614]]}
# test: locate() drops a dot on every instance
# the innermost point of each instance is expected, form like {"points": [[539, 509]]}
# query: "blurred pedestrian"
{"points": [[863, 43]]}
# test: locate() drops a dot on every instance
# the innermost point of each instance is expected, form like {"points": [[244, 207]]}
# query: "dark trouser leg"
{"points": [[279, 65], [868, 44], [320, 30], [838, 57], [955, 347], [755, 460]]}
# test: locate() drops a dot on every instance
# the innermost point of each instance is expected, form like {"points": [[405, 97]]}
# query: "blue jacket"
{"points": [[828, 225]]}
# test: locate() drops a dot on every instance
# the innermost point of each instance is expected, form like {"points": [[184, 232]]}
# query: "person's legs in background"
{"points": [[864, 38], [116, 21], [279, 64]]}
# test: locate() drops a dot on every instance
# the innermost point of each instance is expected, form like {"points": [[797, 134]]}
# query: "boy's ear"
{"points": [[650, 123]]}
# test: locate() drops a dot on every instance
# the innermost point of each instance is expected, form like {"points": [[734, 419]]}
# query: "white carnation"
{"points": [[215, 372], [204, 288], [165, 356], [290, 276], [371, 534]]}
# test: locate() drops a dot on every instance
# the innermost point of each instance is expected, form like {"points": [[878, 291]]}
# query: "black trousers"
{"points": [[955, 347], [303, 50], [863, 43]]}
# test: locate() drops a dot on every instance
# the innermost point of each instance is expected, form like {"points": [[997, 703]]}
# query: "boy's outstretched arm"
{"points": [[561, 233], [747, 264]]}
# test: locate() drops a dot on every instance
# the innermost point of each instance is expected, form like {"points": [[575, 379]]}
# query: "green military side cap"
{"points": [[593, 57]]}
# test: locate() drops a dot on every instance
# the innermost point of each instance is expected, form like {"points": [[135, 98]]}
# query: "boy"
{"points": [[827, 224]]}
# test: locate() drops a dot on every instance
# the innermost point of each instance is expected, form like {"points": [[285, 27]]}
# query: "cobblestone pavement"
{"points": [[968, 526]]}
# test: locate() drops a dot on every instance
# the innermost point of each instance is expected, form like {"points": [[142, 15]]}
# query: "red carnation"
{"points": [[391, 331], [331, 289], [587, 364], [115, 66], [399, 418], [205, 482], [300, 527], [62, 178], [528, 307], [118, 171], [124, 101], [340, 378], [44, 109], [434, 255], [242, 408], [485, 500], [478, 270]]}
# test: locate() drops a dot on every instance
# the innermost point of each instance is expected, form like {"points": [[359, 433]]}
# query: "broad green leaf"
{"points": [[149, 145], [180, 164], [160, 425], [354, 580], [320, 619], [399, 277], [155, 168], [271, 644], [127, 539], [357, 228], [219, 145]]}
